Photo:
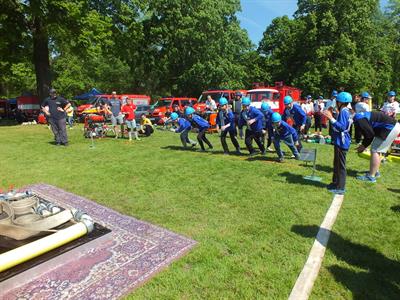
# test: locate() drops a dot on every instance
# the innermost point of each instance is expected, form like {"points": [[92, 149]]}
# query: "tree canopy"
{"points": [[176, 47]]}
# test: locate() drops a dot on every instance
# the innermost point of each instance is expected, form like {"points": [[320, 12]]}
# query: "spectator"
{"points": [[210, 104], [308, 108], [117, 118], [318, 108], [54, 107], [332, 103], [146, 127], [129, 111], [70, 116], [391, 106]]}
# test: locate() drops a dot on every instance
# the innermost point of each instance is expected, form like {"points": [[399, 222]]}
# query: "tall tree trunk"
{"points": [[41, 58]]}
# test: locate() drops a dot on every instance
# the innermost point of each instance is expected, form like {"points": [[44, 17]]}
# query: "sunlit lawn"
{"points": [[254, 220]]}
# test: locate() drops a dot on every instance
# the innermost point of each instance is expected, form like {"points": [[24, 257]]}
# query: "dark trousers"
{"points": [[201, 137], [251, 135], [339, 168], [147, 130], [308, 125], [232, 135], [299, 135], [318, 122], [59, 128]]}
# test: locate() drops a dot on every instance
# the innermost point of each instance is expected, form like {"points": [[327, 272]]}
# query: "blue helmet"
{"points": [[276, 117], [246, 101], [174, 116], [265, 106], [392, 94], [223, 101], [344, 97], [365, 95], [334, 93], [287, 100], [189, 111]]}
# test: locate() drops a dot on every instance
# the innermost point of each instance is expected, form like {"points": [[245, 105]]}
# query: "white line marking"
{"points": [[305, 282]]}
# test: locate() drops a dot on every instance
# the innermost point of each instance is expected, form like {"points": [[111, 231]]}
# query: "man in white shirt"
{"points": [[210, 104], [391, 106]]}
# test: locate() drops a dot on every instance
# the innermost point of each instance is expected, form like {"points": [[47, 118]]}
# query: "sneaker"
{"points": [[270, 149], [281, 159], [210, 147], [238, 152], [377, 174], [331, 186], [193, 145], [263, 152], [337, 191], [367, 178]]}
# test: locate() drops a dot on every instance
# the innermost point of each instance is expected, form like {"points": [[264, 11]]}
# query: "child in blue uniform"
{"points": [[254, 120], [341, 139], [226, 123], [298, 115], [267, 112], [202, 126], [183, 128], [283, 131]]}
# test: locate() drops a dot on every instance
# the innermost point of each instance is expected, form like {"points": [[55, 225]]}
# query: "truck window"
{"points": [[276, 96]]}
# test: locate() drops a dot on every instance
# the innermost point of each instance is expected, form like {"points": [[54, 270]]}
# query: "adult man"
{"points": [[379, 131], [298, 115], [236, 109], [254, 120], [55, 107], [391, 106], [117, 118], [210, 104], [318, 108]]}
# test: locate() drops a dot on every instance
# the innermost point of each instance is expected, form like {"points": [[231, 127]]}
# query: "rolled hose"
{"points": [[391, 158]]}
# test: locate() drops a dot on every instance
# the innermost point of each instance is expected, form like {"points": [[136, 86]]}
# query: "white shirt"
{"points": [[391, 108], [362, 107], [211, 104], [308, 108]]}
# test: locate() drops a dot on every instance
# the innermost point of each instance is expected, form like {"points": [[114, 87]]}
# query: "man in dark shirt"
{"points": [[54, 108], [379, 131]]}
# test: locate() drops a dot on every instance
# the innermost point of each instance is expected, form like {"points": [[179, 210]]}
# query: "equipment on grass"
{"points": [[391, 158], [310, 155], [94, 126]]}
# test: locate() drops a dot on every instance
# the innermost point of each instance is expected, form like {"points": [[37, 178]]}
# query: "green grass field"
{"points": [[254, 220]]}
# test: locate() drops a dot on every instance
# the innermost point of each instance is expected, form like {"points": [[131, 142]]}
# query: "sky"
{"points": [[256, 15]]}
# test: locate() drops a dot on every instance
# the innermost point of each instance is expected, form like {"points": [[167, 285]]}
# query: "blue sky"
{"points": [[256, 15]]}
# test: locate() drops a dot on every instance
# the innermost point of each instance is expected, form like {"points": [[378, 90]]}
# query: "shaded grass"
{"points": [[241, 211]]}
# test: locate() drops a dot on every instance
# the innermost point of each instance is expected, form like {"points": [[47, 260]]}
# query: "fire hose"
{"points": [[28, 216]]}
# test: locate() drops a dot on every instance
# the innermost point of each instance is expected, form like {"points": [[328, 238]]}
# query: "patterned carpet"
{"points": [[131, 254]]}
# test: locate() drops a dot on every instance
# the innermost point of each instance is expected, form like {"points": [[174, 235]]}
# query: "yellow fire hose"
{"points": [[26, 252], [391, 158]]}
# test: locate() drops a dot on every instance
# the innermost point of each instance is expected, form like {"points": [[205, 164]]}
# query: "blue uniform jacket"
{"points": [[284, 130], [225, 118], [298, 114], [341, 127], [183, 125], [252, 113], [199, 122]]}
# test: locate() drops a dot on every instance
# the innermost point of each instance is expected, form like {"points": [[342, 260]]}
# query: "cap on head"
{"points": [[174, 116], [308, 97], [265, 106], [392, 94], [344, 97], [223, 101], [365, 95], [276, 117], [238, 94], [52, 91], [246, 101], [287, 100], [189, 111]]}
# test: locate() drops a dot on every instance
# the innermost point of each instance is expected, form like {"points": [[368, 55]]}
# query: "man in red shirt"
{"points": [[129, 111]]}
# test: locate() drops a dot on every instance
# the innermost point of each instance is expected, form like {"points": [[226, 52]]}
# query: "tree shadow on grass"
{"points": [[394, 190], [395, 208], [380, 278], [298, 179], [178, 148], [329, 169]]}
